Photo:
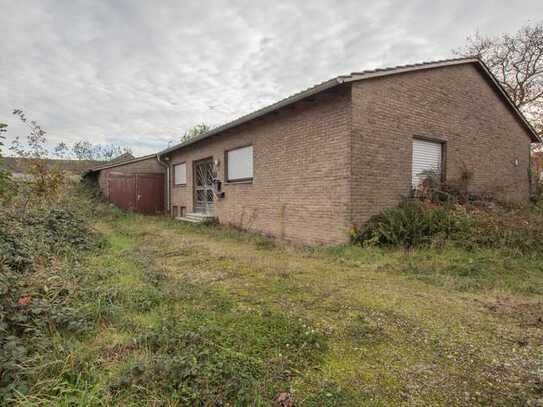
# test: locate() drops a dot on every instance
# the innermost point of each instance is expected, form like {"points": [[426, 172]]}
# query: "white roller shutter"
{"points": [[426, 156], [180, 174], [240, 163]]}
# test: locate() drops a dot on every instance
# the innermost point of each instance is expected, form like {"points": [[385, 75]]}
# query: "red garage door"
{"points": [[143, 193]]}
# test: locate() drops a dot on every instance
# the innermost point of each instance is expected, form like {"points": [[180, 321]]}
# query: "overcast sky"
{"points": [[139, 73]]}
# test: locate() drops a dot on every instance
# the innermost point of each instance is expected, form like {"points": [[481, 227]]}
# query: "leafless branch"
{"points": [[517, 62]]}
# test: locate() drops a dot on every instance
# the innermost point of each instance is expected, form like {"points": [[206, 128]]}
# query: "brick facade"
{"points": [[300, 190], [455, 105]]}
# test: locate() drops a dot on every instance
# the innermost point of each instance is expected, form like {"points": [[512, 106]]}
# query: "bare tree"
{"points": [[43, 183], [516, 60], [83, 150], [36, 140]]}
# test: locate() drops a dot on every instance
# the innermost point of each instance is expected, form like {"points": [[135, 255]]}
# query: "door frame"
{"points": [[209, 206]]}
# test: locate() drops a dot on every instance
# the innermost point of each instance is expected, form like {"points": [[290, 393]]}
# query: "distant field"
{"points": [[207, 315]]}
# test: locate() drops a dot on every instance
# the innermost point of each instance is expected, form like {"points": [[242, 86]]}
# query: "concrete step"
{"points": [[200, 216], [197, 218], [190, 220]]}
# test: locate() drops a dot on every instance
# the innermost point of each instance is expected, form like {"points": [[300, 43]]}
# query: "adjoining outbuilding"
{"points": [[312, 166], [134, 184]]}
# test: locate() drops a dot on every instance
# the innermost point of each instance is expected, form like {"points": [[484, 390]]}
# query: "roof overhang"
{"points": [[258, 113], [359, 76], [117, 164]]}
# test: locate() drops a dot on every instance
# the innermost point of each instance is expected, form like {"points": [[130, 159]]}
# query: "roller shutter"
{"points": [[426, 156]]}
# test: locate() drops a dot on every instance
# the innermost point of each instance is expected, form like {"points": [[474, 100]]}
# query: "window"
{"points": [[180, 174], [427, 158], [239, 164]]}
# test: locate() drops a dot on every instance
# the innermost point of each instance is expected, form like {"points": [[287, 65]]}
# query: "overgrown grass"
{"points": [[38, 247], [176, 314], [453, 267]]}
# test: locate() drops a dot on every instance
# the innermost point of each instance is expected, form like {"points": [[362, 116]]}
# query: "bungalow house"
{"points": [[310, 167]]}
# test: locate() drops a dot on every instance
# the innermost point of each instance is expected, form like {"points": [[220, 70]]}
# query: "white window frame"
{"points": [[175, 176], [440, 170], [244, 177]]}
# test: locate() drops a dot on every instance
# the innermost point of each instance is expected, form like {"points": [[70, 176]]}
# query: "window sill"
{"points": [[180, 186], [241, 181]]}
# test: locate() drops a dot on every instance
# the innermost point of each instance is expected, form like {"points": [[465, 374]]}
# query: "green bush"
{"points": [[412, 224], [34, 292], [416, 224], [27, 235], [520, 232]]}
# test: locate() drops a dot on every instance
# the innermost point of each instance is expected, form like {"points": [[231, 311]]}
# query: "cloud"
{"points": [[139, 73]]}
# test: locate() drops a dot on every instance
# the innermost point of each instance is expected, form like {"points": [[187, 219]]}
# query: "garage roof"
{"points": [[117, 162]]}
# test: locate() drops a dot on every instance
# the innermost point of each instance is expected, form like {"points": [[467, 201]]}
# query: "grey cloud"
{"points": [[139, 73]]}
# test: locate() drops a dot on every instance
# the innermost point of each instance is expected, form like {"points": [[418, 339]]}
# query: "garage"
{"points": [[136, 184]]}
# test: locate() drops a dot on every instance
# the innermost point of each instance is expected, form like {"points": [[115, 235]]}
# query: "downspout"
{"points": [[168, 191]]}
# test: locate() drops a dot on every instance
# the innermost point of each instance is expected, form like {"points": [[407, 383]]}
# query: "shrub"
{"points": [[16, 251], [7, 185], [34, 291], [412, 224], [517, 231], [25, 235], [415, 224]]}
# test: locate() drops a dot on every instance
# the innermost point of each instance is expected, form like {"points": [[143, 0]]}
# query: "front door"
{"points": [[203, 187]]}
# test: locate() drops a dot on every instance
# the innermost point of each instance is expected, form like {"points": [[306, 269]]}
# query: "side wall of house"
{"points": [[148, 166], [455, 105], [300, 190]]}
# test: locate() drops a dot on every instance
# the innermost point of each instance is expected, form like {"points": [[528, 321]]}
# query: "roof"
{"points": [[117, 162], [123, 157], [359, 76]]}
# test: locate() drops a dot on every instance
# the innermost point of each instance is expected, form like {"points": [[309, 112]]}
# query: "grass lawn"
{"points": [[207, 315]]}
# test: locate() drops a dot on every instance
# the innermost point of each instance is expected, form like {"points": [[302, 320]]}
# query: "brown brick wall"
{"points": [[301, 161], [324, 165], [148, 166], [454, 104]]}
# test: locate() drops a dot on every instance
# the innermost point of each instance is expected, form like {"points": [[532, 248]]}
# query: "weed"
{"points": [[410, 225], [464, 270], [216, 358], [418, 224], [364, 330], [36, 293]]}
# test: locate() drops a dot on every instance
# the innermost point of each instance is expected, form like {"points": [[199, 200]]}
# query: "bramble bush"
{"points": [[35, 291], [411, 224], [416, 224]]}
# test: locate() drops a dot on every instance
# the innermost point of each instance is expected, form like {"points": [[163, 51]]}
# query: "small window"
{"points": [[180, 174], [239, 163], [427, 159]]}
